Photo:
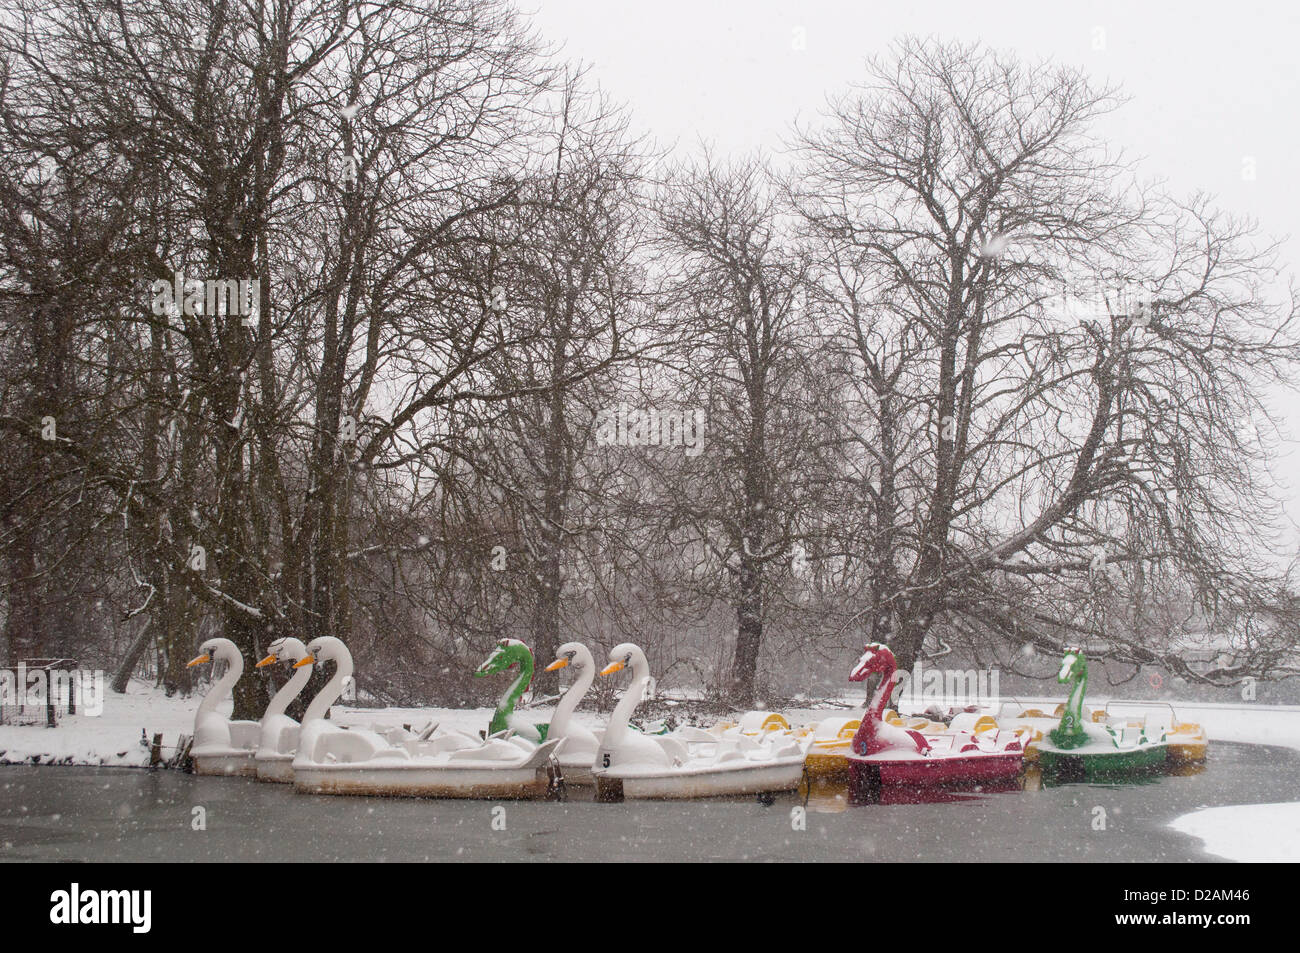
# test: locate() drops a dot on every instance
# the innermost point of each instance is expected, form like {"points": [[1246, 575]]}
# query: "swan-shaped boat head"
{"points": [[286, 648], [222, 745], [630, 745], [580, 745], [219, 650], [506, 655], [280, 733], [626, 655], [325, 649], [575, 654]]}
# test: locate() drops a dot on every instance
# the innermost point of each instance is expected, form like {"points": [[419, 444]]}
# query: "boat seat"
{"points": [[963, 721], [245, 734], [835, 729], [985, 723], [673, 748], [1012, 740], [758, 722], [1124, 736], [691, 733], [789, 750]]}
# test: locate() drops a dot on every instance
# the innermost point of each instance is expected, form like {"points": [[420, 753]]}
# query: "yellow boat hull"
{"points": [[828, 765]]}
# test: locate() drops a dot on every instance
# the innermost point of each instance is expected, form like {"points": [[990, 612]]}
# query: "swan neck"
{"points": [[865, 740], [330, 691], [1074, 705], [224, 686], [631, 698], [288, 692], [564, 710]]}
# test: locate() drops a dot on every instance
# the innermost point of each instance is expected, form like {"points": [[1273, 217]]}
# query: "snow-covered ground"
{"points": [[1251, 833], [111, 738], [114, 737]]}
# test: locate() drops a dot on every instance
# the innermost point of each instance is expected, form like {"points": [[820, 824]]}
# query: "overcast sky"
{"points": [[1213, 87]]}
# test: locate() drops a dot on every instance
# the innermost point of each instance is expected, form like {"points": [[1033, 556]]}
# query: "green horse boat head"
{"points": [[507, 654], [1070, 733]]}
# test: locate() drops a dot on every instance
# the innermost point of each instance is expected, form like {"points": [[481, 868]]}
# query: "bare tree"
{"points": [[1055, 365], [738, 284]]}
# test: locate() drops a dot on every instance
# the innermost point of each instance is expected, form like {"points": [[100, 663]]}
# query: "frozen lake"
{"points": [[117, 814]]}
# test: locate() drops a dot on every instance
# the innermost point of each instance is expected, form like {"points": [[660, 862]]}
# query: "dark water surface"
{"points": [[117, 814]]}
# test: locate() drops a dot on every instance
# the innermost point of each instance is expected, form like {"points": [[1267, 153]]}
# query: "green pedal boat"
{"points": [[1079, 748]]}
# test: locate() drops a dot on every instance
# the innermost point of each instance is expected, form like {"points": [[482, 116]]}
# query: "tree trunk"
{"points": [[133, 655], [749, 632], [22, 634]]}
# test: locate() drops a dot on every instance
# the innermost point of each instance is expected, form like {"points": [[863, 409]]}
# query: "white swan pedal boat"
{"points": [[690, 762], [279, 740], [450, 764], [578, 746], [222, 746]]}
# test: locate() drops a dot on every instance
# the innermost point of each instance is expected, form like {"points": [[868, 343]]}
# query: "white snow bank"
{"points": [[114, 737], [1250, 833]]}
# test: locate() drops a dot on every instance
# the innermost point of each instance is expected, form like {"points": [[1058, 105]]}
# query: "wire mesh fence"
{"points": [[38, 691]]}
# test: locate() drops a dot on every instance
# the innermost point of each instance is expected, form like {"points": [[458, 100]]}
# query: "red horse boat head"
{"points": [[875, 658]]}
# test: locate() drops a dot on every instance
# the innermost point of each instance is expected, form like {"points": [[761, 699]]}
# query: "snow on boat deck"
{"points": [[114, 737]]}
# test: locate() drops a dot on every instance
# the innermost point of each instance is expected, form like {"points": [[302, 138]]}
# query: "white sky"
{"points": [[1210, 84]]}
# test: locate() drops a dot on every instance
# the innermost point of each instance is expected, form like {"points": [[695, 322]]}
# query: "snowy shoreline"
{"points": [[114, 738]]}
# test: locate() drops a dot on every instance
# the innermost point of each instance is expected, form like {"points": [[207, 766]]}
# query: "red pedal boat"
{"points": [[884, 754]]}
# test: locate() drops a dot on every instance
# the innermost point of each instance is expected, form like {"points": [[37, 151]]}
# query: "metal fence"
{"points": [[37, 691]]}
